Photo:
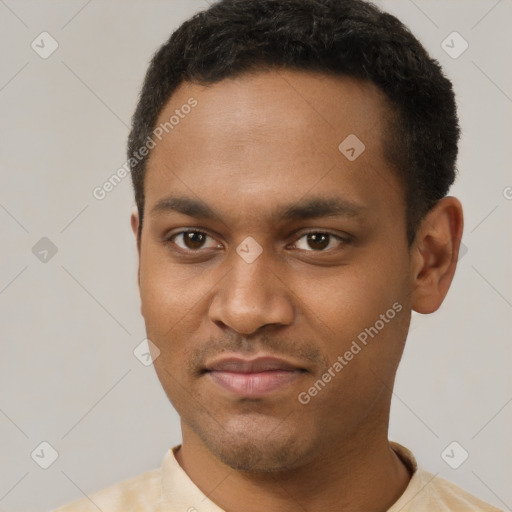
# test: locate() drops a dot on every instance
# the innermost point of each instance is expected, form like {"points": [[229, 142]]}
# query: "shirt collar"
{"points": [[180, 493]]}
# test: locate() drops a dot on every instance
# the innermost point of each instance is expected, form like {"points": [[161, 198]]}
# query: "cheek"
{"points": [[351, 298], [171, 300], [361, 321], [361, 314], [170, 306]]}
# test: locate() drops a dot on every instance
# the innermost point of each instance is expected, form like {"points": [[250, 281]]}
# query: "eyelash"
{"points": [[341, 239]]}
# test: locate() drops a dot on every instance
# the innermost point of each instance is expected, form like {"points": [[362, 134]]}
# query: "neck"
{"points": [[358, 474]]}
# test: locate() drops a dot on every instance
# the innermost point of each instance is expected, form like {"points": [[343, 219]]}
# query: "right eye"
{"points": [[192, 240]]}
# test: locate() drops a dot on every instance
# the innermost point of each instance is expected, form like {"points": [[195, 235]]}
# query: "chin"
{"points": [[257, 447], [258, 457]]}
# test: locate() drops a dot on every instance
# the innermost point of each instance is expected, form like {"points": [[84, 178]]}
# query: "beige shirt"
{"points": [[169, 489]]}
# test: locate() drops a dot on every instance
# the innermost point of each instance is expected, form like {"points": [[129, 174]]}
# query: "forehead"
{"points": [[274, 134], [280, 103]]}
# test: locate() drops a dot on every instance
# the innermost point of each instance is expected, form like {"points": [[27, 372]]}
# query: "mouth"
{"points": [[253, 378]]}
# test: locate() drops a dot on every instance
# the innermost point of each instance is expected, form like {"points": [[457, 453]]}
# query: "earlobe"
{"points": [[434, 254]]}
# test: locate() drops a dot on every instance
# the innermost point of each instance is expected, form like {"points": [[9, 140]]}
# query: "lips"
{"points": [[253, 378], [260, 364]]}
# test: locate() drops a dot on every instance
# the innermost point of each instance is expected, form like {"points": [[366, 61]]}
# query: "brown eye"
{"points": [[191, 240], [194, 239], [318, 241]]}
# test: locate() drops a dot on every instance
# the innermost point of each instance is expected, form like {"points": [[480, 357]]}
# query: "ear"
{"points": [[434, 254], [135, 228]]}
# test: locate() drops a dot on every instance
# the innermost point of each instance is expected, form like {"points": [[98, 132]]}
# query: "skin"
{"points": [[252, 146]]}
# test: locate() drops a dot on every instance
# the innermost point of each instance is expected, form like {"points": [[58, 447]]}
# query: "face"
{"points": [[274, 267]]}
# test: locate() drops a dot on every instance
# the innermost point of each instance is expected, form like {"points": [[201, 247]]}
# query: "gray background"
{"points": [[70, 324]]}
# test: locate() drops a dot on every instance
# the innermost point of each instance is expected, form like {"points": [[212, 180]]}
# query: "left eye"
{"points": [[318, 241]]}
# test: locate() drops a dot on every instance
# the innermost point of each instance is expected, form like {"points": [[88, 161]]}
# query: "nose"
{"points": [[251, 296]]}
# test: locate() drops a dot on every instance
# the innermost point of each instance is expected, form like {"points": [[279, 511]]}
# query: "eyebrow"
{"points": [[308, 208]]}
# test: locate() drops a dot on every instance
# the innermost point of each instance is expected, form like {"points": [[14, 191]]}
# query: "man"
{"points": [[290, 160]]}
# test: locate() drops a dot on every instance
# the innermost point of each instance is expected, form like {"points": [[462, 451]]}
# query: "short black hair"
{"points": [[350, 38]]}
